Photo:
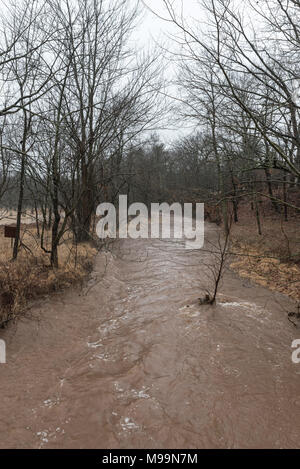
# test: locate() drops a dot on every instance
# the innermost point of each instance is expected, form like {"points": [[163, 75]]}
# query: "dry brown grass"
{"points": [[273, 259], [31, 275]]}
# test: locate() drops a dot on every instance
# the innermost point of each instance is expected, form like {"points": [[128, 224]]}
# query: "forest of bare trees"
{"points": [[81, 107], [239, 81], [149, 328], [75, 97]]}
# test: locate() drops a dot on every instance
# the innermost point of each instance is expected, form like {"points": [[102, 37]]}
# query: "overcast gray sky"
{"points": [[154, 30]]}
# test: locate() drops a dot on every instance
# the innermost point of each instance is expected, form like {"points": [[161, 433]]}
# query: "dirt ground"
{"points": [[271, 259]]}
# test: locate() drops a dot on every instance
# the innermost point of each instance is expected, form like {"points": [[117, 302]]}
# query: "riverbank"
{"points": [[271, 259], [30, 276], [132, 360]]}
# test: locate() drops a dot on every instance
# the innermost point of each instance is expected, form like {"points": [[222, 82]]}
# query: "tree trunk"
{"points": [[270, 189], [285, 207], [37, 219], [20, 205], [257, 214]]}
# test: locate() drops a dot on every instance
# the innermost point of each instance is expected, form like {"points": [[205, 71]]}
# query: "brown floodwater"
{"points": [[132, 361]]}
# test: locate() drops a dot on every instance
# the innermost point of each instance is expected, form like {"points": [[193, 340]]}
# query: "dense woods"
{"points": [[75, 96], [149, 329], [81, 106]]}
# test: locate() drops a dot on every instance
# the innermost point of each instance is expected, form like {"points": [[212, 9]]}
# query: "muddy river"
{"points": [[132, 361]]}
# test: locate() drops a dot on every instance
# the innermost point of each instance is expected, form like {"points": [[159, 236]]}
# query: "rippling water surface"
{"points": [[132, 361]]}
